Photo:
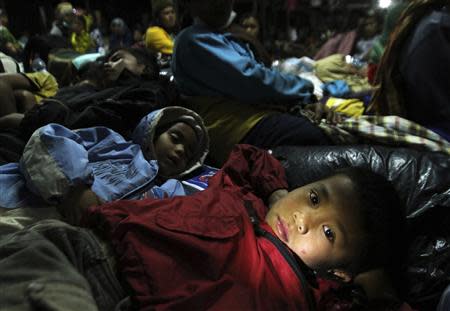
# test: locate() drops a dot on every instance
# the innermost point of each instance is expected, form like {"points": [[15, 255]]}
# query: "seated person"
{"points": [[251, 25], [368, 31], [209, 61], [80, 37], [8, 43], [167, 143], [159, 36], [413, 73], [224, 249], [391, 20], [63, 18], [229, 82], [120, 36]]}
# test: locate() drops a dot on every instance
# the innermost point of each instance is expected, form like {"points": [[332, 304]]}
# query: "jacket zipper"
{"points": [[287, 255]]}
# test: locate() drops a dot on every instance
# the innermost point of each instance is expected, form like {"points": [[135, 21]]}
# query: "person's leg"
{"points": [[25, 100], [54, 266], [285, 129], [9, 82], [11, 120]]}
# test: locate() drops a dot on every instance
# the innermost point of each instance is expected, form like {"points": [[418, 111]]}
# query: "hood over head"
{"points": [[145, 133]]}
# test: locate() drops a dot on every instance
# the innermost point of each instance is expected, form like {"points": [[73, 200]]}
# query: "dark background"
{"points": [[36, 16]]}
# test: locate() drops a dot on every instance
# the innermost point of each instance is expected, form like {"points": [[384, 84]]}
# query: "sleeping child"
{"points": [[61, 166]]}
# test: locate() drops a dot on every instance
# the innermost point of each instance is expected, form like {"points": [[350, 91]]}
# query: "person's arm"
{"points": [[77, 200], [254, 169], [223, 65], [56, 159], [157, 40]]}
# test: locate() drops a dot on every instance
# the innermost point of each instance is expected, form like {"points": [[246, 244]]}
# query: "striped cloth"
{"points": [[387, 130]]}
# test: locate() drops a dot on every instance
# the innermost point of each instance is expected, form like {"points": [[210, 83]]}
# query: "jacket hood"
{"points": [[144, 133]]}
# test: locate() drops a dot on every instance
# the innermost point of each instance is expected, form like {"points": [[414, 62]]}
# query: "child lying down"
{"points": [[59, 164], [245, 243]]}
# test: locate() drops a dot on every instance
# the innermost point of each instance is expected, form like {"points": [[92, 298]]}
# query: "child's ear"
{"points": [[341, 275]]}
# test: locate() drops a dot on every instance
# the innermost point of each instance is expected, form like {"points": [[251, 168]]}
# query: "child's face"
{"points": [[251, 26], [168, 17], [319, 223], [4, 20], [174, 148], [77, 26], [119, 61]]}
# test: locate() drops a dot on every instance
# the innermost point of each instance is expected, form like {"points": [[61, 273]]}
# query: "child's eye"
{"points": [[329, 234], [175, 137], [313, 197]]}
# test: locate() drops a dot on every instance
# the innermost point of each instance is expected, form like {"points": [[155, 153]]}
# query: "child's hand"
{"points": [[79, 199], [321, 111], [276, 195], [113, 69]]}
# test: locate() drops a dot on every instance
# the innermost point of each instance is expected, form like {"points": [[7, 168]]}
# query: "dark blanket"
{"points": [[119, 108], [423, 182]]}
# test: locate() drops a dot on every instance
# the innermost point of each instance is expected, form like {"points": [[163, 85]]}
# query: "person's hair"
{"points": [[362, 22], [159, 5], [94, 70], [145, 57], [381, 212], [248, 15], [388, 96], [81, 19], [211, 12]]}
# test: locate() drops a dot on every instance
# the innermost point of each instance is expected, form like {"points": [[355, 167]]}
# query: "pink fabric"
{"points": [[342, 43]]}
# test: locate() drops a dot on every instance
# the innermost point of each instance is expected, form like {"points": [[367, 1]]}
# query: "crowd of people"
{"points": [[107, 127]]}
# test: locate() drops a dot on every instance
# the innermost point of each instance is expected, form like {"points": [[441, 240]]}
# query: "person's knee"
{"points": [[4, 86], [25, 100]]}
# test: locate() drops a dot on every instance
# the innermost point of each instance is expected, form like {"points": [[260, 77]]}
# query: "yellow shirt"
{"points": [[45, 84], [158, 40], [227, 122], [81, 43]]}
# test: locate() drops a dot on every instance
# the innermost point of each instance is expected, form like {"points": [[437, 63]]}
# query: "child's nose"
{"points": [[300, 222], [179, 149]]}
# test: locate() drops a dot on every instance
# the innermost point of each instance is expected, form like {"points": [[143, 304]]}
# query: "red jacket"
{"points": [[201, 252]]}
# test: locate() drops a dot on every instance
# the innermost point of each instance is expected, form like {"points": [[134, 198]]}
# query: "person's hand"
{"points": [[113, 69], [277, 195], [75, 203], [321, 111], [11, 48], [376, 284]]}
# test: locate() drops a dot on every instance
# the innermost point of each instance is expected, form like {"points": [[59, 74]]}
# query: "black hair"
{"points": [[94, 70], [383, 221], [247, 15], [81, 19], [145, 57]]}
